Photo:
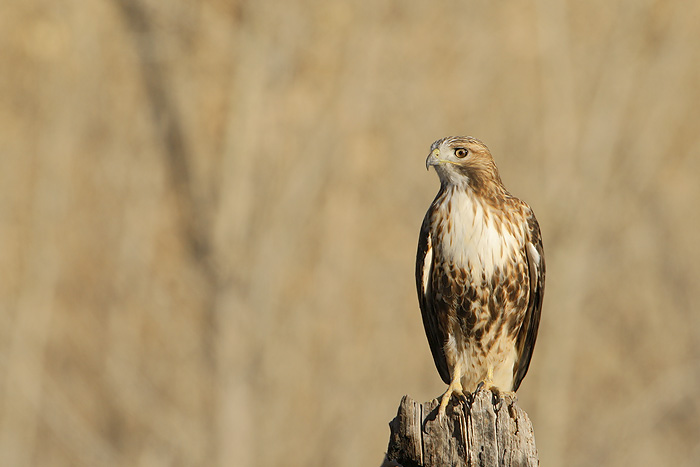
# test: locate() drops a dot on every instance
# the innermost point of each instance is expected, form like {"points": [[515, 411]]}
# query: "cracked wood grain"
{"points": [[480, 431]]}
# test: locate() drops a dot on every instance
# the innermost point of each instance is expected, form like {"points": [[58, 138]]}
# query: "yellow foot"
{"points": [[497, 395], [455, 388], [488, 386]]}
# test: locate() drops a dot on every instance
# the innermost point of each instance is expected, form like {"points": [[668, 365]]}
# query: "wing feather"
{"points": [[425, 271], [525, 342]]}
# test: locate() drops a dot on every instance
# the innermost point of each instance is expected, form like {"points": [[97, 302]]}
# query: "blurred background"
{"points": [[209, 214]]}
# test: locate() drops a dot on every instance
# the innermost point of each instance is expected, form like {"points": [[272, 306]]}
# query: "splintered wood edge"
{"points": [[482, 431]]}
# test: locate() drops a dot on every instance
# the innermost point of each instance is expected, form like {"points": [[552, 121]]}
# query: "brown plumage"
{"points": [[479, 272]]}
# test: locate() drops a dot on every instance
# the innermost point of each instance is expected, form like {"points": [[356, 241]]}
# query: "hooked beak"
{"points": [[433, 159]]}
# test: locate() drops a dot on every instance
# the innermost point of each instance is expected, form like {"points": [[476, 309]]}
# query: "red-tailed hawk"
{"points": [[479, 273]]}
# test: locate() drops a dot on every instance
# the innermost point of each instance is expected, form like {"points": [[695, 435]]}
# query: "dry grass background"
{"points": [[209, 213]]}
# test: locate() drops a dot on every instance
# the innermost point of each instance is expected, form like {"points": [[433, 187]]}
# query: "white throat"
{"points": [[474, 239]]}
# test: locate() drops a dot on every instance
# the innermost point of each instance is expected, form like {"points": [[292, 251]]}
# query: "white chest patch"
{"points": [[475, 238], [427, 264]]}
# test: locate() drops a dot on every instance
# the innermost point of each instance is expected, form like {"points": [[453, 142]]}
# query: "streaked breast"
{"points": [[473, 235]]}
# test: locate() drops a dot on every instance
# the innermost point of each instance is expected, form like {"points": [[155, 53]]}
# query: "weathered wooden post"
{"points": [[481, 431]]}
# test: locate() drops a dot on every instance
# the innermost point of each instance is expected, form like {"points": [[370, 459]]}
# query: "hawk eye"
{"points": [[461, 153]]}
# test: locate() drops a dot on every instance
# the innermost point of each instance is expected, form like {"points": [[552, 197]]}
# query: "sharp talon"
{"points": [[478, 387], [444, 401], [455, 388], [497, 400]]}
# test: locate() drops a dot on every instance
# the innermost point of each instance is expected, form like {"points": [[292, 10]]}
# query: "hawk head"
{"points": [[463, 161]]}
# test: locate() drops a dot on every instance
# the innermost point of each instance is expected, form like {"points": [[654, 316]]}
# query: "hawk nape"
{"points": [[479, 272]]}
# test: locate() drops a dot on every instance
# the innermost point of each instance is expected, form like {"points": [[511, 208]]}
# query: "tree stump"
{"points": [[483, 430]]}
